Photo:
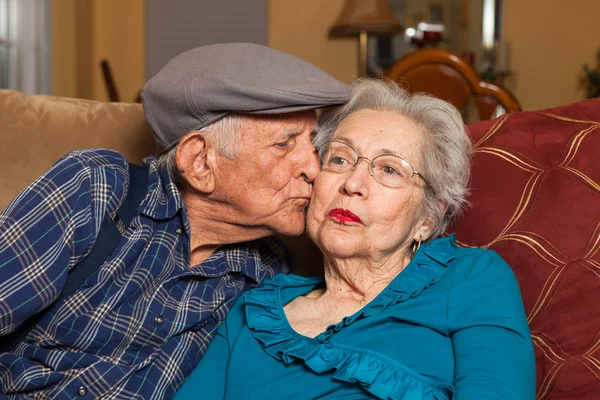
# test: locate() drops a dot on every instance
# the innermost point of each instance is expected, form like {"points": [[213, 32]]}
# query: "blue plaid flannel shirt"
{"points": [[135, 329]]}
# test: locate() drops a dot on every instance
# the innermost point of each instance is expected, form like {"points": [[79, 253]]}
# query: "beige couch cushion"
{"points": [[37, 130]]}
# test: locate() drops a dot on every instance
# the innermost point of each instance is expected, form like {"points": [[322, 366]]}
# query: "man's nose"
{"points": [[308, 162]]}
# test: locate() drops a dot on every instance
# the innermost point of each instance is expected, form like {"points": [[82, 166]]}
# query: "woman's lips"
{"points": [[344, 215]]}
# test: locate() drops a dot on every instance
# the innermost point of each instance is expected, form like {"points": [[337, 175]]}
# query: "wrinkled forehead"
{"points": [[381, 132], [285, 125]]}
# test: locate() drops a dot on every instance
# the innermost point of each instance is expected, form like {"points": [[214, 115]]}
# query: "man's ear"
{"points": [[194, 163]]}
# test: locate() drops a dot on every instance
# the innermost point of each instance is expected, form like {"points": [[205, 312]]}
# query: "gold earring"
{"points": [[415, 247]]}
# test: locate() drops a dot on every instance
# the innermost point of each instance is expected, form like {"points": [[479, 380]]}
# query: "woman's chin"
{"points": [[339, 245]]}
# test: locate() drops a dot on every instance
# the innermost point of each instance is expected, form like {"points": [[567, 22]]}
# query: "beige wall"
{"points": [[300, 28], [64, 48], [550, 41], [549, 45], [87, 31]]}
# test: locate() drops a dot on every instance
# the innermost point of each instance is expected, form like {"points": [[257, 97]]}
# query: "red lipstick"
{"points": [[344, 215]]}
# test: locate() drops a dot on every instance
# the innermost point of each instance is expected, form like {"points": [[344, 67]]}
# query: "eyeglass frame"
{"points": [[371, 162]]}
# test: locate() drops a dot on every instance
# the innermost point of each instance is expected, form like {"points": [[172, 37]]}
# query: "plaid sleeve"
{"points": [[50, 226]]}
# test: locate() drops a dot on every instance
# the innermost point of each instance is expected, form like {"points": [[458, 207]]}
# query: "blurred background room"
{"points": [[544, 53]]}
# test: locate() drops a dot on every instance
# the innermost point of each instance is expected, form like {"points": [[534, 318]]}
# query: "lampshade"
{"points": [[370, 16]]}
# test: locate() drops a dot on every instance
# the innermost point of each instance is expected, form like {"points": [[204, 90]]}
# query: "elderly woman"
{"points": [[401, 312]]}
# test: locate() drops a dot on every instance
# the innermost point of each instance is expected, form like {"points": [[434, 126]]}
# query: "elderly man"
{"points": [[235, 123]]}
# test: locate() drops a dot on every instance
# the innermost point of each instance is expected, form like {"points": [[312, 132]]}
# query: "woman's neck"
{"points": [[362, 279], [350, 285]]}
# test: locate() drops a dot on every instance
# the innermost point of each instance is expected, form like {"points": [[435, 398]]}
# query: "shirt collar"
{"points": [[163, 199], [441, 250], [238, 257]]}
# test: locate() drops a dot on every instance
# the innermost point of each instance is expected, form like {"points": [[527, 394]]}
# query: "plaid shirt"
{"points": [[137, 327]]}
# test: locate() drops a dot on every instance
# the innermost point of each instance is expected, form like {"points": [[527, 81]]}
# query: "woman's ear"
{"points": [[425, 230], [194, 162], [429, 225]]}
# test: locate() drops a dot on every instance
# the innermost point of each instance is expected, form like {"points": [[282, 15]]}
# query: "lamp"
{"points": [[364, 17]]}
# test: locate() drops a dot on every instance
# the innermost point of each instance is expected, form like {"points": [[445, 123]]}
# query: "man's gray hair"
{"points": [[447, 150], [225, 135]]}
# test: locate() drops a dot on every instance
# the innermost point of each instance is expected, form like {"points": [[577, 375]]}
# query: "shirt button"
{"points": [[82, 391], [179, 231], [159, 319]]}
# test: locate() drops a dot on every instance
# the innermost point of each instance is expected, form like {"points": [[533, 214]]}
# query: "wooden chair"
{"points": [[109, 81], [446, 75], [110, 84]]}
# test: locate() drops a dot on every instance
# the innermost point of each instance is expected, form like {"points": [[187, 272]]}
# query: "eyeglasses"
{"points": [[387, 169]]}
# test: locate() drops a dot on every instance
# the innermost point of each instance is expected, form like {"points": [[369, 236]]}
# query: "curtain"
{"points": [[25, 46]]}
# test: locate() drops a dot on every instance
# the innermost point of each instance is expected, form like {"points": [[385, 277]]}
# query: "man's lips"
{"points": [[343, 215]]}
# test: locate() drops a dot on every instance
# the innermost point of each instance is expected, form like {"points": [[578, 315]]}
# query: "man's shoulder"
{"points": [[96, 159], [76, 178], [101, 175]]}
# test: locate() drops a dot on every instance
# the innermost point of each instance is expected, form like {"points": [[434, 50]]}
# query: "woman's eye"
{"points": [[338, 160], [389, 170]]}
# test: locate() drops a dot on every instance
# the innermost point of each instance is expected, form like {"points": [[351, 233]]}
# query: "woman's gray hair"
{"points": [[223, 134], [447, 150]]}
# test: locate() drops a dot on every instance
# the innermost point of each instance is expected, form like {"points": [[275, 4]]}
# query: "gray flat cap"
{"points": [[204, 84]]}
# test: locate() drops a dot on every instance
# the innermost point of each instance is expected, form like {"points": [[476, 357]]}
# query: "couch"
{"points": [[535, 199]]}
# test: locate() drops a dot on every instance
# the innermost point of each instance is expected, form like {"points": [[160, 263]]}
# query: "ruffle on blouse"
{"points": [[383, 378]]}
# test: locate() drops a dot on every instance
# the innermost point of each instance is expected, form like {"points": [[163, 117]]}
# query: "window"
{"points": [[25, 45]]}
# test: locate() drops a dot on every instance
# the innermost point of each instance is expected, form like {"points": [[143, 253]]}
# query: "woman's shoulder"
{"points": [[482, 276], [467, 263], [473, 262]]}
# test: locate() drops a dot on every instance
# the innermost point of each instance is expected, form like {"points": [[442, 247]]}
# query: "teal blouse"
{"points": [[451, 325]]}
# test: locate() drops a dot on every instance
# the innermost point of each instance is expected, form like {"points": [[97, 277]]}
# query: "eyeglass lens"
{"points": [[386, 169]]}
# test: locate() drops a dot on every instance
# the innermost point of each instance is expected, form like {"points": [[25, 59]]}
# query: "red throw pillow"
{"points": [[535, 194]]}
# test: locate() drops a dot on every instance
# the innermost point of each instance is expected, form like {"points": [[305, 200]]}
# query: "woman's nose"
{"points": [[357, 179]]}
